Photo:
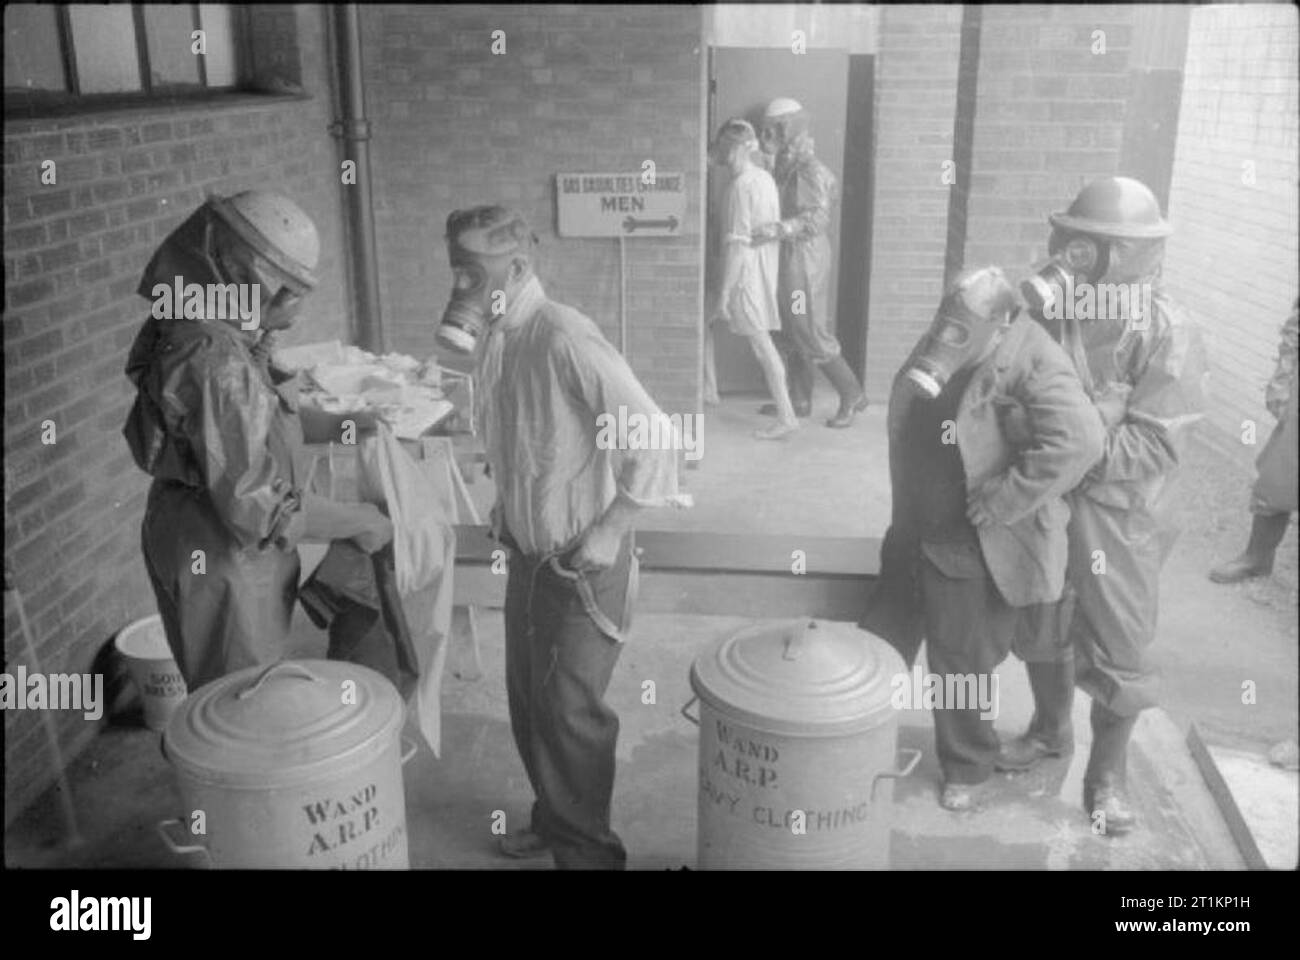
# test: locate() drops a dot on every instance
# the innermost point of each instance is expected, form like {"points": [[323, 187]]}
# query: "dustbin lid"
{"points": [[803, 677], [289, 723]]}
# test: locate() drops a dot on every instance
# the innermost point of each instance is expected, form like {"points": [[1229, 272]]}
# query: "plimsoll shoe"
{"points": [[525, 845]]}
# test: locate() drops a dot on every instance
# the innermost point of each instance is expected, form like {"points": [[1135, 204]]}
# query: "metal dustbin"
{"points": [[297, 765], [798, 748]]}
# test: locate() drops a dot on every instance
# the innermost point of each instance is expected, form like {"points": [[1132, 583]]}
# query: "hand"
{"points": [[1112, 403], [978, 514], [767, 233], [977, 510], [378, 529], [598, 550]]}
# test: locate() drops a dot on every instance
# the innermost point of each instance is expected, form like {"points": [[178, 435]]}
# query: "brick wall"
{"points": [[1050, 117], [916, 87], [588, 88], [74, 252], [1234, 249]]}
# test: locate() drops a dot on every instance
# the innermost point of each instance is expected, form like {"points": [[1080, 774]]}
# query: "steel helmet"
{"points": [[1115, 207], [275, 227]]}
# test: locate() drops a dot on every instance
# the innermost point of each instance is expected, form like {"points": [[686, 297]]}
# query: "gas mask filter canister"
{"points": [[1076, 260]]}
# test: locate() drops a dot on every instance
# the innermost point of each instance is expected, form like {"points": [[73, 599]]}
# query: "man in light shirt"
{"points": [[565, 507]]}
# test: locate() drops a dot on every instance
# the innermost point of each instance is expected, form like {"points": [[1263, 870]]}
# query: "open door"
{"points": [[742, 81]]}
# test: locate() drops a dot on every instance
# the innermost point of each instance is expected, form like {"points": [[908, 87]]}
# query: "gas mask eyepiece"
{"points": [[1077, 259], [980, 304]]}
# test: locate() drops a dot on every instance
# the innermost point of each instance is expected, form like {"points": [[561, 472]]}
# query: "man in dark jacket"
{"points": [[977, 534]]}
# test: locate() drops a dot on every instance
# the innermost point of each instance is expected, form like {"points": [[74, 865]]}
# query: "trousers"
{"points": [[564, 633]]}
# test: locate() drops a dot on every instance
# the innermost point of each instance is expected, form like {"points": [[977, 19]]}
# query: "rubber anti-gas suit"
{"points": [[1121, 529], [224, 445], [808, 192], [1275, 489]]}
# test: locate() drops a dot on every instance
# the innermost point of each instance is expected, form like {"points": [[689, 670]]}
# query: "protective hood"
{"points": [[182, 254]]}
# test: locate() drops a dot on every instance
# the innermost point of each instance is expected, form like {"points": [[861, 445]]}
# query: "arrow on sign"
{"points": [[632, 224]]}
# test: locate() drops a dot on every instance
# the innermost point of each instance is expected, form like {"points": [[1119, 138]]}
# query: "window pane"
{"points": [[32, 55], [171, 56], [220, 38], [103, 37]]}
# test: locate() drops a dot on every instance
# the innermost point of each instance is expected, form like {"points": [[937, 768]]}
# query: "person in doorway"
{"points": [[1273, 498], [808, 193], [747, 290], [565, 505], [977, 533], [220, 431], [1143, 364]]}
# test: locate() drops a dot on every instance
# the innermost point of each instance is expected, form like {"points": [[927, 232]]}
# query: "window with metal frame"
{"points": [[70, 57]]}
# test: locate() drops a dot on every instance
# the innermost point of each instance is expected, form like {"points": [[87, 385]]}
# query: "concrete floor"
{"points": [[122, 786]]}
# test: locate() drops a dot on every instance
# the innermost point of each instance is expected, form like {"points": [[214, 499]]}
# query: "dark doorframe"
{"points": [[855, 212]]}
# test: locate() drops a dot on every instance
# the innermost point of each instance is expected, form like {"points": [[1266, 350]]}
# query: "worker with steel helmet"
{"points": [[1143, 364], [219, 429], [808, 193]]}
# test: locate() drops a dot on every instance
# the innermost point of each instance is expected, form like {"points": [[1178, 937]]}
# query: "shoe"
{"points": [[1050, 732], [844, 418], [961, 797], [770, 410], [776, 431], [1266, 532], [1027, 751], [1104, 803], [525, 845]]}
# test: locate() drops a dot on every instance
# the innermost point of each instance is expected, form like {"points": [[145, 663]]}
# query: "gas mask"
{"points": [[477, 297], [482, 244], [1075, 258], [980, 305]]}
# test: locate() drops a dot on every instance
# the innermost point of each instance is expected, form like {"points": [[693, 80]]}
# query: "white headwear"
{"points": [[780, 107]]}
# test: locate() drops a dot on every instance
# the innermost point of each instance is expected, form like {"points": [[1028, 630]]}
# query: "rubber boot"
{"points": [[1104, 779], [1266, 532], [1050, 733], [853, 400]]}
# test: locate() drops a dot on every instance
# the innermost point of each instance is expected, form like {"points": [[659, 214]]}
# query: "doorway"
{"points": [[742, 81]]}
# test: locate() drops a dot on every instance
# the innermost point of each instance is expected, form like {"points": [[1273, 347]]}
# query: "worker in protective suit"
{"points": [[808, 192], [219, 429], [1273, 498], [1143, 364], [976, 539]]}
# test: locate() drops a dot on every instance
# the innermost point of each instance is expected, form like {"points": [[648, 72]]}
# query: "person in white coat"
{"points": [[746, 298]]}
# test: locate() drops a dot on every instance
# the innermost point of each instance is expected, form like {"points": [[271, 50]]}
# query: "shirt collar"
{"points": [[526, 302]]}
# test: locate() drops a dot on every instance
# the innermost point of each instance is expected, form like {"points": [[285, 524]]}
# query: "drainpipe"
{"points": [[353, 130]]}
